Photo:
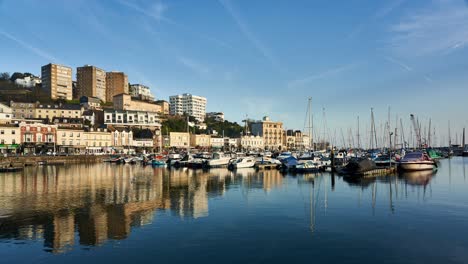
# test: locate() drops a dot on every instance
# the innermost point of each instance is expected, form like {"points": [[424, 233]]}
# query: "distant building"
{"points": [[216, 142], [251, 142], [89, 102], [49, 111], [119, 118], [57, 81], [179, 139], [68, 122], [6, 113], [23, 110], [270, 131], [217, 116], [91, 81], [126, 102], [164, 106], [203, 141], [190, 104], [28, 81], [141, 91], [116, 83]]}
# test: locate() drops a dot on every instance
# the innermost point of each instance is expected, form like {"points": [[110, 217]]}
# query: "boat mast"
{"points": [[309, 112], [358, 136]]}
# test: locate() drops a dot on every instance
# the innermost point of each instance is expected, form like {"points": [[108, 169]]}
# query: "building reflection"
{"points": [[90, 204]]}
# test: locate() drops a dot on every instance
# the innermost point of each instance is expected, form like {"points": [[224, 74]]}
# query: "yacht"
{"points": [[416, 161], [218, 160], [246, 162]]}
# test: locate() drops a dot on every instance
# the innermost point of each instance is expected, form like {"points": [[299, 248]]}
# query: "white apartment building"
{"points": [[186, 103], [141, 91], [119, 118], [28, 81]]}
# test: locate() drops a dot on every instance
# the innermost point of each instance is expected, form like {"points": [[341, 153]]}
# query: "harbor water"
{"points": [[107, 213]]}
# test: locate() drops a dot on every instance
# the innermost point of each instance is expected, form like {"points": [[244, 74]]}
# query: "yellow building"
{"points": [[126, 102], [57, 81], [116, 83], [251, 142], [98, 141], [271, 132], [91, 81], [71, 140], [22, 110], [50, 111], [203, 141], [10, 138], [179, 139], [164, 106]]}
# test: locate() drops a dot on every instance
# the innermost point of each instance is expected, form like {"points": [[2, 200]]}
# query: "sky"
{"points": [[258, 58]]}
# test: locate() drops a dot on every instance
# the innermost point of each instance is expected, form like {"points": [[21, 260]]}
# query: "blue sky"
{"points": [[261, 58]]}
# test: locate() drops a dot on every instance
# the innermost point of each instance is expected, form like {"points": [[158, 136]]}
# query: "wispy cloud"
{"points": [[440, 27], [193, 65], [321, 75], [399, 63], [379, 14], [157, 12], [29, 47], [245, 29]]}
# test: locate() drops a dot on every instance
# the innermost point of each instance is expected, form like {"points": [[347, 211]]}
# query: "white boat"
{"points": [[284, 155], [218, 160], [416, 161], [246, 162], [267, 160], [307, 166]]}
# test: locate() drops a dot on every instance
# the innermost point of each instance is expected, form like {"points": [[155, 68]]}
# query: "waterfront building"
{"points": [[202, 141], [251, 142], [217, 116], [116, 83], [49, 111], [122, 118], [188, 104], [57, 81], [89, 102], [98, 141], [23, 110], [230, 143], [36, 137], [164, 106], [217, 142], [71, 141], [271, 132], [122, 140], [141, 91], [28, 81], [179, 139], [10, 138], [126, 102], [6, 113], [91, 81], [143, 145]]}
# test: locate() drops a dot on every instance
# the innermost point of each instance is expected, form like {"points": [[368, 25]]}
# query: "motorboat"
{"points": [[384, 161], [246, 162], [218, 160], [416, 161], [306, 166], [284, 155]]}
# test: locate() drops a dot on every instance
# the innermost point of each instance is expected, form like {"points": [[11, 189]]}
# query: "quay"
{"points": [[23, 161]]}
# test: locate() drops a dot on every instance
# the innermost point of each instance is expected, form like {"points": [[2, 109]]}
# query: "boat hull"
{"points": [[416, 166]]}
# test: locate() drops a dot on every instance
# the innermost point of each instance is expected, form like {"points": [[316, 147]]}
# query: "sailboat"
{"points": [[465, 148]]}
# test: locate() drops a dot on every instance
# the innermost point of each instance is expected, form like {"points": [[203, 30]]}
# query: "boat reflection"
{"points": [[419, 178]]}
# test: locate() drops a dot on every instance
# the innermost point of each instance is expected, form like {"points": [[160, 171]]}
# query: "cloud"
{"points": [[244, 28], [439, 28], [195, 66], [379, 14], [29, 47], [157, 12], [321, 75], [399, 63]]}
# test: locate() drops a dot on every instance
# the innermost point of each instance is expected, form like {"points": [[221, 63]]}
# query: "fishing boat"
{"points": [[246, 162], [416, 161]]}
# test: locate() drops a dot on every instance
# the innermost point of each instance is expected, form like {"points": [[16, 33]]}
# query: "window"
{"points": [[63, 142], [2, 132], [13, 141], [2, 141], [13, 132]]}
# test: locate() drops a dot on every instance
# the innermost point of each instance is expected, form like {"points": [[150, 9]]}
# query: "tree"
{"points": [[4, 76]]}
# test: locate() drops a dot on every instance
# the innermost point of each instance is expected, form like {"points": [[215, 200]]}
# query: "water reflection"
{"points": [[87, 205]]}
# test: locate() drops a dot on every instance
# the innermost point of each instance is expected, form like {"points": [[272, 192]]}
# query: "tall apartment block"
{"points": [[186, 103], [116, 83], [57, 81], [91, 81]]}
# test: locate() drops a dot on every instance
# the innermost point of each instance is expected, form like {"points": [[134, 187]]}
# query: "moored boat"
{"points": [[416, 161]]}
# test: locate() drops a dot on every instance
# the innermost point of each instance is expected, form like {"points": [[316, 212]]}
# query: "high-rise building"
{"points": [[116, 83], [91, 81], [57, 81], [190, 104]]}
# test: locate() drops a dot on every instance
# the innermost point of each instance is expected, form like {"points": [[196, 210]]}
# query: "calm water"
{"points": [[114, 213]]}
